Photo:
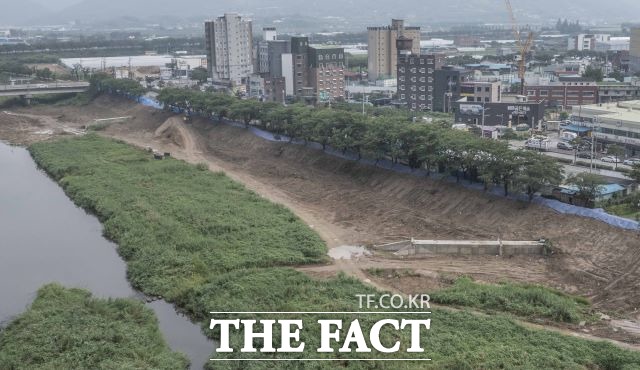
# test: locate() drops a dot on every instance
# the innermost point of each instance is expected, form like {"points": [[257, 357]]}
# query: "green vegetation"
{"points": [[69, 329], [207, 244], [124, 86], [177, 226], [530, 301], [628, 207], [392, 136]]}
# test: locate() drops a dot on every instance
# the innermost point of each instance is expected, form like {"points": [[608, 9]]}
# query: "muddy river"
{"points": [[45, 238]]}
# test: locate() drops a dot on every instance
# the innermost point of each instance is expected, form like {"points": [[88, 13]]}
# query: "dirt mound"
{"points": [[378, 206]]}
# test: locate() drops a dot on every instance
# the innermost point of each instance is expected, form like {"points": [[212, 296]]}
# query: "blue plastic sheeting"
{"points": [[149, 102], [598, 214]]}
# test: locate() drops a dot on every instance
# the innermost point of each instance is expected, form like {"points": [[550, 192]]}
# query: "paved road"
{"points": [[572, 169], [45, 86]]}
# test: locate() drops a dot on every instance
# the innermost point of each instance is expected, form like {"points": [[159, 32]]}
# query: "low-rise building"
{"points": [[481, 92], [569, 91], [617, 91], [617, 123], [509, 112]]}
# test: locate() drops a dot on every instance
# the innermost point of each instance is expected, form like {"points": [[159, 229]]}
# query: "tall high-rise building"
{"points": [[634, 51], [269, 34], [383, 55], [416, 76], [229, 42]]}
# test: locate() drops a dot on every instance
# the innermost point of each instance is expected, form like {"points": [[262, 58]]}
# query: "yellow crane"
{"points": [[524, 46]]}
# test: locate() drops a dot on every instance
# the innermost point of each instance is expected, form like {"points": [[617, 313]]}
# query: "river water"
{"points": [[45, 238]]}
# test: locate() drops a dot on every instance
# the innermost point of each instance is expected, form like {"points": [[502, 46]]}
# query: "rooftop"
{"points": [[602, 190], [622, 111]]}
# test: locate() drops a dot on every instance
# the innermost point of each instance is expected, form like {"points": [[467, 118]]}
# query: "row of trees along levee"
{"points": [[389, 134]]}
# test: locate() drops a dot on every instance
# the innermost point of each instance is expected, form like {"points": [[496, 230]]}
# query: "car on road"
{"points": [[564, 145], [632, 161], [611, 159], [42, 86], [585, 155]]}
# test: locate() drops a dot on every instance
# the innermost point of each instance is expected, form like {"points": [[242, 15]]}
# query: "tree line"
{"points": [[389, 135]]}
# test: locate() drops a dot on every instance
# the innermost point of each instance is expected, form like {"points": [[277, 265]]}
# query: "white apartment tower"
{"points": [[229, 48]]}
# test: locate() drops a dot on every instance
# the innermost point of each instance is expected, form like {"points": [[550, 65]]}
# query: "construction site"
{"points": [[440, 230]]}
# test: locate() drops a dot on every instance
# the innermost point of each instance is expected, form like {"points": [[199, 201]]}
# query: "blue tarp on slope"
{"points": [[598, 214]]}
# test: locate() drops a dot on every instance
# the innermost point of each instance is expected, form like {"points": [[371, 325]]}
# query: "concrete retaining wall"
{"points": [[464, 248]]}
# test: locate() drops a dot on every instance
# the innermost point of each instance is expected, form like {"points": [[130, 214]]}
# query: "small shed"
{"points": [[567, 194]]}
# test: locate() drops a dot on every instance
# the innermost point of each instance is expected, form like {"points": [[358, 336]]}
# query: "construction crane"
{"points": [[524, 46]]}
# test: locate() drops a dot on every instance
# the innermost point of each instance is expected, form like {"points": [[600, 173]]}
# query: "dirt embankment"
{"points": [[350, 204]]}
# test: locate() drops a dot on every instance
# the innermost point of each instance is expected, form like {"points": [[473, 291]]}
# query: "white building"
{"points": [[586, 42], [614, 123], [229, 41], [614, 44]]}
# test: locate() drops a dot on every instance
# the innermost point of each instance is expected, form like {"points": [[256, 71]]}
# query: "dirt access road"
{"points": [[349, 204]]}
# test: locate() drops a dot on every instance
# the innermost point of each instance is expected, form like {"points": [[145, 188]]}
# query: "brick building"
{"points": [[568, 92]]}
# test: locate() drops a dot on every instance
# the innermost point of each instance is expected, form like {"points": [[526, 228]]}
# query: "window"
{"points": [[422, 97], [531, 92], [478, 89], [320, 57], [486, 100], [487, 89], [423, 70], [402, 96]]}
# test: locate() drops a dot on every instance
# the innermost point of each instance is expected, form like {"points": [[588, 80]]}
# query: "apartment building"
{"points": [[383, 54], [416, 77], [326, 72], [318, 71], [634, 51], [229, 44]]}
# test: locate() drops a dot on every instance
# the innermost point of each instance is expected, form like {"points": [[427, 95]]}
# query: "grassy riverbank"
{"points": [[69, 329], [205, 243], [525, 300]]}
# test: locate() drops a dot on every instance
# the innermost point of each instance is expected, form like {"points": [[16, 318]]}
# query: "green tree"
{"points": [[594, 73], [617, 151], [617, 75], [537, 172], [635, 173], [200, 74], [245, 110], [588, 185]]}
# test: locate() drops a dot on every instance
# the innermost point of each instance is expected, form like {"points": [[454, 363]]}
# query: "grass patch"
{"points": [[525, 300], [207, 244], [69, 329]]}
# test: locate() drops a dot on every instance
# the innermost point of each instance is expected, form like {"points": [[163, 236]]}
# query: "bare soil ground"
{"points": [[350, 204]]}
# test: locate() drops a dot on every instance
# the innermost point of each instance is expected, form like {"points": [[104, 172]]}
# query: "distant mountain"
{"points": [[419, 12], [17, 12]]}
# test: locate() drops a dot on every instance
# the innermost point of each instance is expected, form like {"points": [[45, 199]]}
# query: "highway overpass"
{"points": [[29, 90]]}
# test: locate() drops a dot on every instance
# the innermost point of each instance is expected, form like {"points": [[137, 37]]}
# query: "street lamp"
{"points": [[484, 110]]}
